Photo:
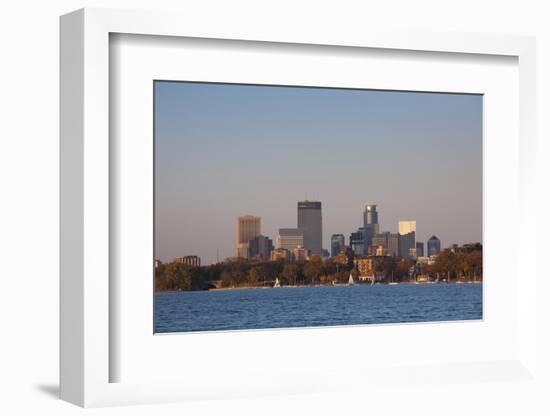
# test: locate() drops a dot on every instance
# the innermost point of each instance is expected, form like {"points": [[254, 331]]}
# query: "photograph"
{"points": [[296, 206]]}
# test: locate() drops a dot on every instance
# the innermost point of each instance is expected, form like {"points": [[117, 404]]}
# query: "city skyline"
{"points": [[249, 230], [224, 151]]}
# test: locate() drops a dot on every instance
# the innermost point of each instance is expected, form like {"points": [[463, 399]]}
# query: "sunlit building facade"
{"points": [[389, 241], [248, 228], [194, 261], [300, 253], [290, 238]]}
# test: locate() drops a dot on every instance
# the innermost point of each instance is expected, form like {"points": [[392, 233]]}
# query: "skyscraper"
{"points": [[337, 244], [406, 227], [370, 224], [260, 247], [407, 245], [389, 241], [407, 237], [310, 221], [419, 249], [357, 242], [433, 246], [248, 228]]}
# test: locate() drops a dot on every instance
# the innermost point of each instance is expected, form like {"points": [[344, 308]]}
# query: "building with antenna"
{"points": [[370, 225]]}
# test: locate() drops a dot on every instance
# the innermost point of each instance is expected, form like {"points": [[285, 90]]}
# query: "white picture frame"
{"points": [[86, 291]]}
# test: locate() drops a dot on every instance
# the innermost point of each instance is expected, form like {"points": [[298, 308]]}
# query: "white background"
{"points": [[29, 209], [137, 60]]}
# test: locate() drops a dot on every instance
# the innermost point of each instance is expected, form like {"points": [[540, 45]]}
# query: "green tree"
{"points": [[179, 276]]}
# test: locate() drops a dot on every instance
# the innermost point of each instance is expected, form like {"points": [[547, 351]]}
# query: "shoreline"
{"points": [[224, 289]]}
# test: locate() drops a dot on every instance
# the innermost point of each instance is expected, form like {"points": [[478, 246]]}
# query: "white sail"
{"points": [[350, 281], [277, 284]]}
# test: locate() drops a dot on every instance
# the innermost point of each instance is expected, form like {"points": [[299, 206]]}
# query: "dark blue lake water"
{"points": [[315, 306]]}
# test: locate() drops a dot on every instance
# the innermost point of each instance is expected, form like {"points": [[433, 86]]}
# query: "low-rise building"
{"points": [[365, 267], [300, 253], [290, 238], [280, 254], [194, 261]]}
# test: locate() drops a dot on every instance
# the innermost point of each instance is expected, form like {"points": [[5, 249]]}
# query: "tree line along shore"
{"points": [[450, 266]]}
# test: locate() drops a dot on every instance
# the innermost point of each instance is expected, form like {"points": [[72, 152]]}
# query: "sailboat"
{"points": [[277, 284], [350, 281]]}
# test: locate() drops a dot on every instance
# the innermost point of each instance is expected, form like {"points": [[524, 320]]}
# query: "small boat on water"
{"points": [[277, 283], [350, 281]]}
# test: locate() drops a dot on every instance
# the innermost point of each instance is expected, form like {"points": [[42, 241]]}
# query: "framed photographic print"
{"points": [[224, 150], [271, 212]]}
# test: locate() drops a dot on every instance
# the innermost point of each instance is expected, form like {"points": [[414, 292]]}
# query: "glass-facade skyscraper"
{"points": [[357, 242], [337, 244], [370, 224], [419, 249], [310, 222], [433, 246]]}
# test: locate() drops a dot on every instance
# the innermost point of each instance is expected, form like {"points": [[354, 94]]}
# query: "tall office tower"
{"points": [[248, 228], [310, 221], [290, 238], [434, 246], [406, 227], [260, 248], [407, 235], [337, 244], [407, 245], [370, 224], [357, 242], [389, 241], [419, 249]]}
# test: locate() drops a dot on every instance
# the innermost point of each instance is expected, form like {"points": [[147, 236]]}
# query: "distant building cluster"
{"points": [[250, 242], [299, 243], [306, 240]]}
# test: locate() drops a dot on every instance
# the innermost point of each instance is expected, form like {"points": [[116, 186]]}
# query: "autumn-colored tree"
{"points": [[254, 275], [312, 270], [290, 272], [226, 280]]}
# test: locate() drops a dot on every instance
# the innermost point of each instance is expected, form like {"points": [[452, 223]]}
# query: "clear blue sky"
{"points": [[227, 150]]}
